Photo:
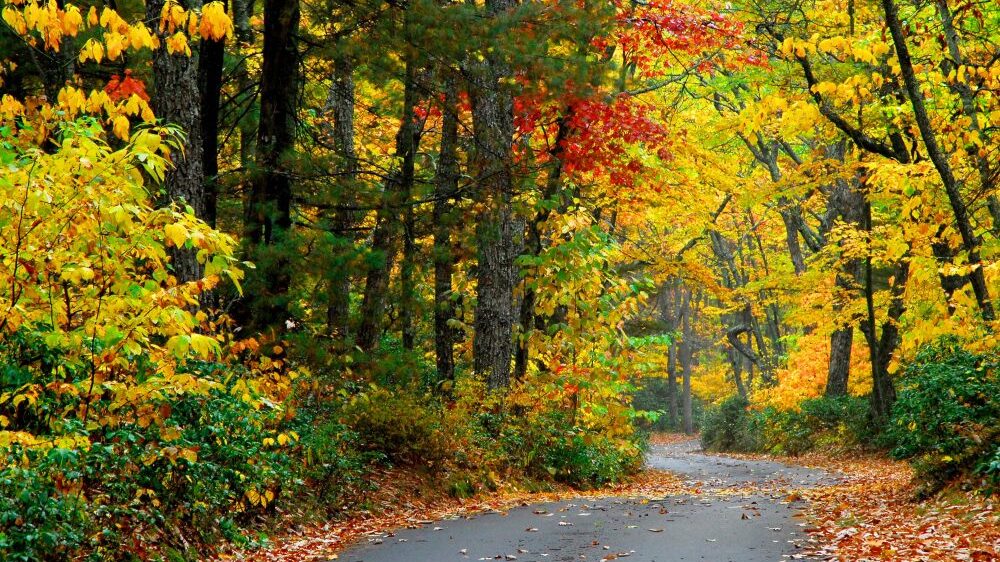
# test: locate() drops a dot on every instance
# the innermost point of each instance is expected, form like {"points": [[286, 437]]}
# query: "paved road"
{"points": [[741, 515]]}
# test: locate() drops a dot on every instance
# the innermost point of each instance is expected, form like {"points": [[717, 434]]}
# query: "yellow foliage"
{"points": [[806, 373]]}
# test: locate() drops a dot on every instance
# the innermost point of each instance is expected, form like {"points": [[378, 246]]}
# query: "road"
{"points": [[738, 511]]}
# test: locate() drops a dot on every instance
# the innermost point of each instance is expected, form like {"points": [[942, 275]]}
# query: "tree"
{"points": [[268, 217]]}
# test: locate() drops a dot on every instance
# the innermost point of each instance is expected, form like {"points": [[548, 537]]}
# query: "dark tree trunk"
{"points": [[841, 342], [210, 66], [881, 348], [528, 319], [340, 108], [686, 358], [791, 216], [736, 361], [242, 10], [445, 188], [408, 292], [847, 203], [970, 242], [385, 239], [268, 217], [672, 394], [497, 226], [175, 80]]}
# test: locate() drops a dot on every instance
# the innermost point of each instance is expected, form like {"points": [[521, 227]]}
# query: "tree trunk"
{"points": [[686, 356], [445, 188], [497, 227], [839, 370], [672, 394], [242, 10], [175, 80], [388, 224], [846, 202], [340, 108], [791, 217], [736, 361], [210, 66], [268, 218], [408, 293], [881, 348], [970, 242], [528, 319]]}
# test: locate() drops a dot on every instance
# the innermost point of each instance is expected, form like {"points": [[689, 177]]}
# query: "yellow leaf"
{"points": [[215, 23], [176, 233], [120, 126]]}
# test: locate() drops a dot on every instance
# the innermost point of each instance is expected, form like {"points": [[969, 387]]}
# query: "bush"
{"points": [[549, 446], [135, 489], [404, 427], [819, 423], [730, 426], [38, 521], [946, 419]]}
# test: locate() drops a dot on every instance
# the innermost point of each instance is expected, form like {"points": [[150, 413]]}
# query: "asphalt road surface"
{"points": [[742, 514]]}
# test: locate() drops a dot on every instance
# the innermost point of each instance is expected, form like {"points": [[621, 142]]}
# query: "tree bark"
{"points": [[841, 342], [388, 224], [268, 218], [686, 357], [672, 394], [847, 203], [445, 189], [175, 80], [881, 348], [408, 293], [340, 108], [528, 319], [498, 227], [210, 67]]}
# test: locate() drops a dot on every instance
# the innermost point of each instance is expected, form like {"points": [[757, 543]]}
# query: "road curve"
{"points": [[738, 511]]}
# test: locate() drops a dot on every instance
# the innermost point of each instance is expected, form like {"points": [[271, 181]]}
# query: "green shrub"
{"points": [[333, 462], [819, 423], [140, 489], [550, 447], [404, 427], [946, 419], [730, 426], [38, 521]]}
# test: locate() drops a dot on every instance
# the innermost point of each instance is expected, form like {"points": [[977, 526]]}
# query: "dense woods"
{"points": [[253, 250]]}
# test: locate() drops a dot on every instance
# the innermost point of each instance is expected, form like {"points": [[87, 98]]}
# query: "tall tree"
{"points": [[388, 222], [445, 191], [952, 187], [268, 217], [340, 108], [497, 227], [177, 99]]}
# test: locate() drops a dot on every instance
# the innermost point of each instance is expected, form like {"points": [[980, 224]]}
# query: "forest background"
{"points": [[253, 251]]}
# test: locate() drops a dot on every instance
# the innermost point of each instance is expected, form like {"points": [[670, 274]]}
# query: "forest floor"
{"points": [[687, 504]]}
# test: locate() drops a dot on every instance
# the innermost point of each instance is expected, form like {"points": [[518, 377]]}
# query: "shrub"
{"points": [[549, 446], [137, 488], [38, 521], [730, 426], [404, 427], [824, 423], [946, 419]]}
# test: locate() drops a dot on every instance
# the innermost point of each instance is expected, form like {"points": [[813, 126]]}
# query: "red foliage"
{"points": [[652, 34], [601, 134], [122, 89]]}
